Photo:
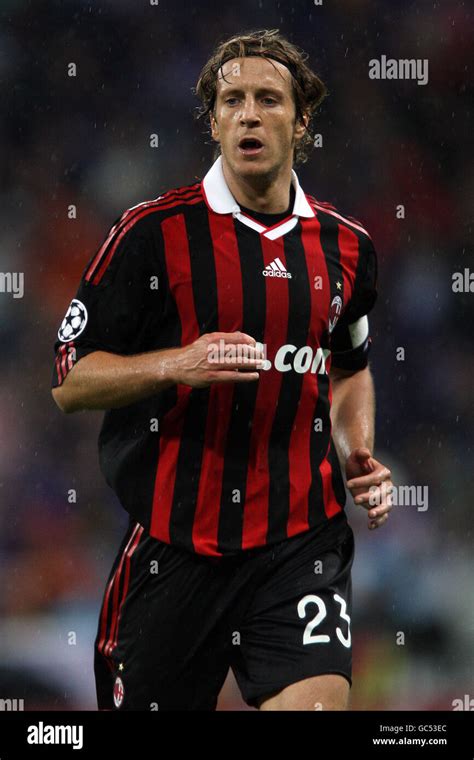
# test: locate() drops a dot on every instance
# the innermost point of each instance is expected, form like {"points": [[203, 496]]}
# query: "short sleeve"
{"points": [[350, 339], [114, 302]]}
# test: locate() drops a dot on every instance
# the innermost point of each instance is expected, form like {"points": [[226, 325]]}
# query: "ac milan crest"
{"points": [[119, 692], [334, 312]]}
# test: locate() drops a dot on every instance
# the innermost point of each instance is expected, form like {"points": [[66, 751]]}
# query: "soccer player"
{"points": [[223, 327]]}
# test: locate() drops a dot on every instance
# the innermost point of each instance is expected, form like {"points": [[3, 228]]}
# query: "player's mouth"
{"points": [[250, 146]]}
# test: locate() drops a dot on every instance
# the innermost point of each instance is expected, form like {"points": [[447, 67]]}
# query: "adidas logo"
{"points": [[276, 269]]}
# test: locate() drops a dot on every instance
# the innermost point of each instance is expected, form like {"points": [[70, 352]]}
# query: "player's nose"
{"points": [[250, 112]]}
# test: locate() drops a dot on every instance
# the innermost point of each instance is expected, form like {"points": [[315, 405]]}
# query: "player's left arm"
{"points": [[353, 395], [353, 420]]}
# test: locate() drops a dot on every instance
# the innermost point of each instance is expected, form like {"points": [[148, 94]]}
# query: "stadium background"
{"points": [[84, 140]]}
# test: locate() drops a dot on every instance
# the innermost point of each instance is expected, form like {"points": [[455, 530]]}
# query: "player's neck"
{"points": [[270, 195]]}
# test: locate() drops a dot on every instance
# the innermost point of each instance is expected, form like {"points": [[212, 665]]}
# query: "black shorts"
{"points": [[172, 623]]}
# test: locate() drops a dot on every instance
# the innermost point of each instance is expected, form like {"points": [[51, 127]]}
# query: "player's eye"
{"points": [[230, 101], [270, 100]]}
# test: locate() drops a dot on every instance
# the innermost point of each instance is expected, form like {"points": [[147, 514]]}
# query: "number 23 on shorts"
{"points": [[318, 638]]}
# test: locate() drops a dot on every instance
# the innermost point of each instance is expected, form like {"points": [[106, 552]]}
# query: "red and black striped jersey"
{"points": [[230, 467]]}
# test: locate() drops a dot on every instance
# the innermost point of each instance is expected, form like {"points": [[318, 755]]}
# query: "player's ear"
{"points": [[214, 127], [301, 126]]}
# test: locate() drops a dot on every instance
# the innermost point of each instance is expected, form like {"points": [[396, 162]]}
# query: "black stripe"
{"points": [[163, 331], [364, 293]]}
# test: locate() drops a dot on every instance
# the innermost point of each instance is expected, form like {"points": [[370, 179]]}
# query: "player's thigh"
{"points": [[298, 625], [325, 692], [164, 637]]}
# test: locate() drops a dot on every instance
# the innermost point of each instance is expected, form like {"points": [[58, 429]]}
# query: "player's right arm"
{"points": [[103, 380], [105, 354]]}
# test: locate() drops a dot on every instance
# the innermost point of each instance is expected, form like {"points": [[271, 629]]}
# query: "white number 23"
{"points": [[318, 638]]}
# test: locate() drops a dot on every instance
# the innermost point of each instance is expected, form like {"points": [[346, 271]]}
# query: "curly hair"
{"points": [[308, 89]]}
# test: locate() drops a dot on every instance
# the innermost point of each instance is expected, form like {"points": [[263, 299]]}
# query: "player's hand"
{"points": [[370, 484], [218, 358]]}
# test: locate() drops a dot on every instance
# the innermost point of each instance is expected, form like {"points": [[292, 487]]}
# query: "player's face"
{"points": [[254, 117]]}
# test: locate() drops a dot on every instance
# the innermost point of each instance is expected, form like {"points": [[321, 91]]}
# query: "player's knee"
{"points": [[318, 693]]}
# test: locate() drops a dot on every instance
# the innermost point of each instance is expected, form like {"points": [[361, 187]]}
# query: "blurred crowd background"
{"points": [[85, 140]]}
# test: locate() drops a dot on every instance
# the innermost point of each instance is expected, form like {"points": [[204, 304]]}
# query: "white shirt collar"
{"points": [[220, 199]]}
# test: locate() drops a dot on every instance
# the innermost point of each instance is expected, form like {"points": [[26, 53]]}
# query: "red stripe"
{"points": [[115, 623], [132, 215], [104, 613], [184, 193], [189, 202], [70, 356], [349, 250], [58, 366], [63, 361], [115, 580], [331, 504], [178, 265], [181, 193], [229, 313], [318, 207], [324, 204], [300, 442], [255, 518]]}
